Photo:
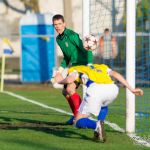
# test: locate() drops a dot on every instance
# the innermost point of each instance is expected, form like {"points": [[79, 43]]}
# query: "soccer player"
{"points": [[74, 54], [101, 91]]}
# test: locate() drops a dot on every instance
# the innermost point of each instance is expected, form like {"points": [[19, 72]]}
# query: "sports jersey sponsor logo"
{"points": [[95, 69]]}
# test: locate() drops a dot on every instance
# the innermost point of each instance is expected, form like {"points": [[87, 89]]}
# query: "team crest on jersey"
{"points": [[95, 69], [66, 43]]}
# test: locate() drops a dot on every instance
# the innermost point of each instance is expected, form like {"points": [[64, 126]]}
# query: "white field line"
{"points": [[134, 137], [36, 103]]}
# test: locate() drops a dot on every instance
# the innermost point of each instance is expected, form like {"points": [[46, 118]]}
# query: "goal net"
{"points": [[111, 15]]}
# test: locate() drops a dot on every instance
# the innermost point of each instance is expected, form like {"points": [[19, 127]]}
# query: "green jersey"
{"points": [[73, 50]]}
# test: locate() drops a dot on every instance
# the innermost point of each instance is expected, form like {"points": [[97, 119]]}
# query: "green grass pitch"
{"points": [[26, 126]]}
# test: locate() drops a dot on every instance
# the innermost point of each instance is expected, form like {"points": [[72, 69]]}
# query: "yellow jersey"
{"points": [[97, 73]]}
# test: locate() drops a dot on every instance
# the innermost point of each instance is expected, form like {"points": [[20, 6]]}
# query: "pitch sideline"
{"points": [[134, 137]]}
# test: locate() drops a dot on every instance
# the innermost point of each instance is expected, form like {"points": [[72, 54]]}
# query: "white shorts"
{"points": [[97, 96]]}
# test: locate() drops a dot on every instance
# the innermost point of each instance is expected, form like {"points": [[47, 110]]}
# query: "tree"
{"points": [[31, 5], [142, 13]]}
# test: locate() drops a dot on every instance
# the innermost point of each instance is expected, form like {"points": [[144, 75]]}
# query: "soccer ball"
{"points": [[90, 42]]}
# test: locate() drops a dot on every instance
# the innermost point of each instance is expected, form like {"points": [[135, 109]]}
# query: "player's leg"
{"points": [[101, 118], [82, 121], [73, 99], [71, 119], [90, 105], [103, 113], [69, 92], [108, 93]]}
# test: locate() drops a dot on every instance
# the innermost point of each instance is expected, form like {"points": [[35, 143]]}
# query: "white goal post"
{"points": [[130, 64], [85, 17]]}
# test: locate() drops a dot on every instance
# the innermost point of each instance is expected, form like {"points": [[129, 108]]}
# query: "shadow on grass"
{"points": [[56, 128], [59, 129]]}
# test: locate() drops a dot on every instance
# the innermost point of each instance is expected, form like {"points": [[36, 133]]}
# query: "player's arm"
{"points": [[70, 78], [64, 62], [119, 77], [56, 75], [77, 41]]}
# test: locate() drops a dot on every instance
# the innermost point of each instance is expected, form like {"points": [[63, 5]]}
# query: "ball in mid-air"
{"points": [[90, 42]]}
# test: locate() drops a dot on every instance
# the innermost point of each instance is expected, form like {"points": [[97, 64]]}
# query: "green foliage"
{"points": [[142, 14], [29, 4]]}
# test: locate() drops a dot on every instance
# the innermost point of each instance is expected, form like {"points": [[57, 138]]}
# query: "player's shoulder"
{"points": [[100, 66], [71, 33], [77, 68]]}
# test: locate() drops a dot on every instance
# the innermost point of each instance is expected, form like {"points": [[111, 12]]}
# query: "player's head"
{"points": [[107, 31], [59, 23]]}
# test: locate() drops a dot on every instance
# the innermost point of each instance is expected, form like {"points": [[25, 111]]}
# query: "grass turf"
{"points": [[26, 126]]}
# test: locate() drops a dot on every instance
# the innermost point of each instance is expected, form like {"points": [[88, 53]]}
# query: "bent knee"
{"points": [[64, 92], [71, 88], [79, 118]]}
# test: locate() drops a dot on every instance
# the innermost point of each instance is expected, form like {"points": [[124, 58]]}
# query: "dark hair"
{"points": [[57, 17], [106, 30]]}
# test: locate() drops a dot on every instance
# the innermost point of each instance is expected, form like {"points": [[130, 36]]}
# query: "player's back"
{"points": [[96, 72]]}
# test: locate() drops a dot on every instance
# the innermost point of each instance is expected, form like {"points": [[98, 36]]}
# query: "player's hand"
{"points": [[138, 92], [58, 77]]}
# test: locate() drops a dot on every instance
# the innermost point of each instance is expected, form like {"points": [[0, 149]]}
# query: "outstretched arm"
{"points": [[119, 77], [67, 80]]}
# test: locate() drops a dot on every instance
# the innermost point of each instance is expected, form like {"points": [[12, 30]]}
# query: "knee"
{"points": [[77, 123], [80, 123], [70, 90], [64, 92]]}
